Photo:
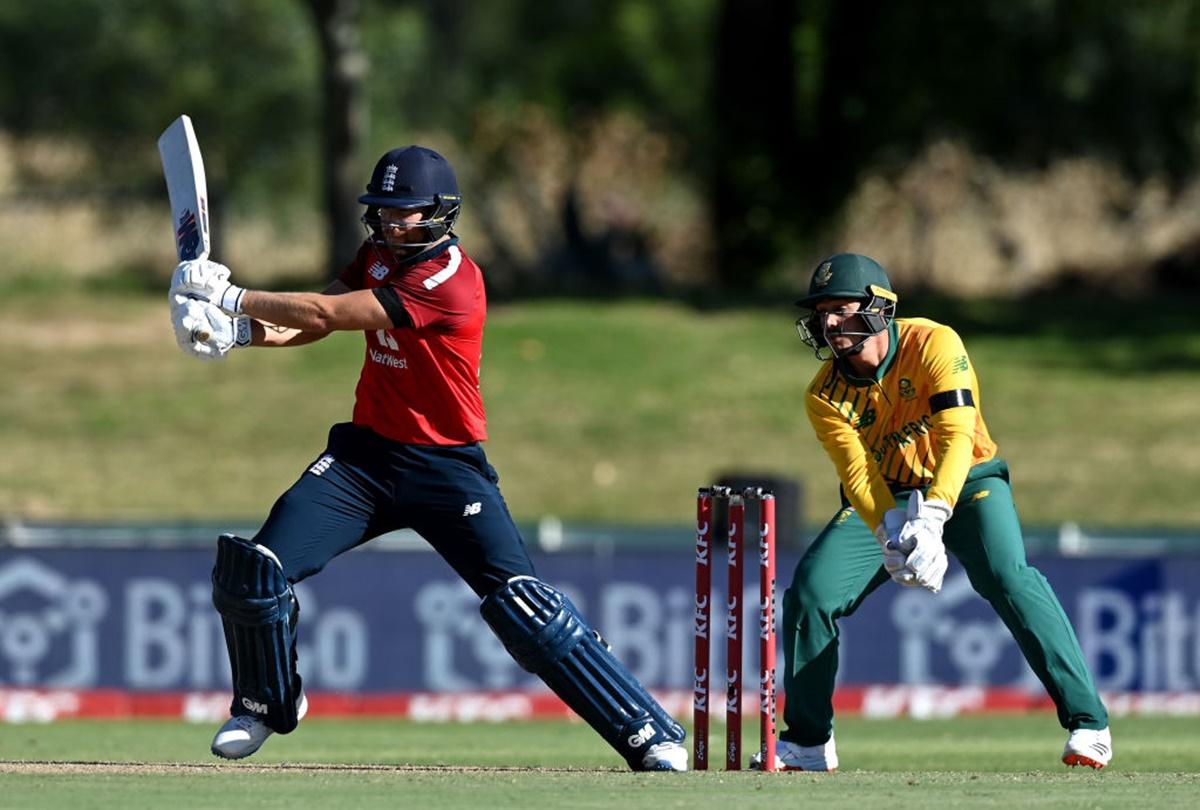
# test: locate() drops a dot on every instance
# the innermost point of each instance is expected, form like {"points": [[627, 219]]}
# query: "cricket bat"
{"points": [[187, 187]]}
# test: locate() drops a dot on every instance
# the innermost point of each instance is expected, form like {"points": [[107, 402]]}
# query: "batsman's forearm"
{"points": [[306, 312], [273, 336]]}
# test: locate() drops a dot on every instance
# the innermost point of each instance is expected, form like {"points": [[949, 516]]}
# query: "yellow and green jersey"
{"points": [[917, 423]]}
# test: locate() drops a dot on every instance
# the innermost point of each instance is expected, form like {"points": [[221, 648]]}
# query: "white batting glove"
{"points": [[208, 280], [192, 319], [205, 332], [921, 540], [888, 533]]}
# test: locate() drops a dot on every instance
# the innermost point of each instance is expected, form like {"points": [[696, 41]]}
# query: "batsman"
{"points": [[411, 457], [897, 407]]}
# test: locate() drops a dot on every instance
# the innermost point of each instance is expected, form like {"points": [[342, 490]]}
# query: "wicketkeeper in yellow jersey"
{"points": [[897, 407]]}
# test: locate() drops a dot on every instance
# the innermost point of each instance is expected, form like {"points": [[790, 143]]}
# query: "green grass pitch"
{"points": [[963, 762]]}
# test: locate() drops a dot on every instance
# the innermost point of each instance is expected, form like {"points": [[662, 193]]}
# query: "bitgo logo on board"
{"points": [[49, 626]]}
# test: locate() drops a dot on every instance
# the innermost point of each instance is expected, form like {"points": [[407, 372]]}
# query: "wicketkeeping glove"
{"points": [[920, 539], [888, 533]]}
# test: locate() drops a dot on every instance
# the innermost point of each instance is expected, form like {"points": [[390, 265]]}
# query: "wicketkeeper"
{"points": [[897, 407], [412, 457]]}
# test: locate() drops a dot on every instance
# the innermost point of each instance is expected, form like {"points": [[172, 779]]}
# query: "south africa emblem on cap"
{"points": [[823, 275]]}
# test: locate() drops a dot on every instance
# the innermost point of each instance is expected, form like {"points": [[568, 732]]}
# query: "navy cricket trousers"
{"points": [[364, 485]]}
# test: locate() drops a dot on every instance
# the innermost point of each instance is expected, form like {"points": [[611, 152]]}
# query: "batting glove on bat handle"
{"points": [[207, 280], [242, 334]]}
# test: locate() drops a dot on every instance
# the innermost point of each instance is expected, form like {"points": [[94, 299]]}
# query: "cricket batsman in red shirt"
{"points": [[412, 457]]}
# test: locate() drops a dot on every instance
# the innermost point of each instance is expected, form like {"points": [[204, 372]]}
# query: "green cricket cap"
{"points": [[845, 275]]}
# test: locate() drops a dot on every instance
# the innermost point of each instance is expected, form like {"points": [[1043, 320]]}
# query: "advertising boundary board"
{"points": [[110, 632]]}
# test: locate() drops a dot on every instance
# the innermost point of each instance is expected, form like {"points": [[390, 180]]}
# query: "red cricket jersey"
{"points": [[420, 384]]}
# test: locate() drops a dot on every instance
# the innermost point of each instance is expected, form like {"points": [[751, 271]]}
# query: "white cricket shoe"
{"points": [[244, 734], [792, 757], [667, 756], [1088, 746]]}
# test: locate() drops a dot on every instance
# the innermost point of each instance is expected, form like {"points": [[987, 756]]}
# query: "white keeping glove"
{"points": [[888, 533], [920, 539], [205, 332], [201, 278]]}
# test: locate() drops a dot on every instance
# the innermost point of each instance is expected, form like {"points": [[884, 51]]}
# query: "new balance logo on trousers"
{"points": [[322, 465]]}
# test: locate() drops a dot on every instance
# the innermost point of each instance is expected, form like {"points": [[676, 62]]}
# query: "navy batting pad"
{"points": [[259, 613], [547, 636]]}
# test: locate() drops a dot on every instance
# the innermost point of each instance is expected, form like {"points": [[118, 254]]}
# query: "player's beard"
{"points": [[842, 333]]}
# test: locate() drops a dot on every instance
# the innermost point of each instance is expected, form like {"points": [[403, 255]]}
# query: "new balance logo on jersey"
{"points": [[322, 465], [867, 419], [472, 509], [254, 706], [643, 735], [378, 271]]}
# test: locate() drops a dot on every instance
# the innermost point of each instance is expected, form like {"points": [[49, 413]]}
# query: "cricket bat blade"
{"points": [[187, 186]]}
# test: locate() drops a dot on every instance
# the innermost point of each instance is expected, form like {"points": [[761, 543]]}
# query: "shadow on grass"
{"points": [[1151, 334], [1122, 336], [1156, 334]]}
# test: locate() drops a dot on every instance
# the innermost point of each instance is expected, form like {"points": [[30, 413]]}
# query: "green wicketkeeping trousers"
{"points": [[844, 564]]}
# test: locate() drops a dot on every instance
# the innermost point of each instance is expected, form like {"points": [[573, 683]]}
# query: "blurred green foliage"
{"points": [[772, 109], [105, 74]]}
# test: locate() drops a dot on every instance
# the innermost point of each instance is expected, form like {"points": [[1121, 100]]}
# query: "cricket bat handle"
{"points": [[200, 335]]}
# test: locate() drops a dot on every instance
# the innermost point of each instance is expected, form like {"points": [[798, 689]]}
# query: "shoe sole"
{"points": [[220, 755], [1079, 759]]}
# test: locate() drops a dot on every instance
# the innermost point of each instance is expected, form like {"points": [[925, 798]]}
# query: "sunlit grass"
{"points": [[598, 411], [961, 762]]}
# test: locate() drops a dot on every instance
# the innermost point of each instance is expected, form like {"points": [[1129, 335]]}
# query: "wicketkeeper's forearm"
{"points": [[954, 431]]}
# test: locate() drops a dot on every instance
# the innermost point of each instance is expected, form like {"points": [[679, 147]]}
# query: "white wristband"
{"points": [[231, 299], [241, 333]]}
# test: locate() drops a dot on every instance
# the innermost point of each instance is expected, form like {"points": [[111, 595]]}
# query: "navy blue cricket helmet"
{"points": [[413, 177]]}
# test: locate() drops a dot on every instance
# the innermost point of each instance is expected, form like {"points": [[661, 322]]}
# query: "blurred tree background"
{"points": [[1025, 169], [614, 146]]}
